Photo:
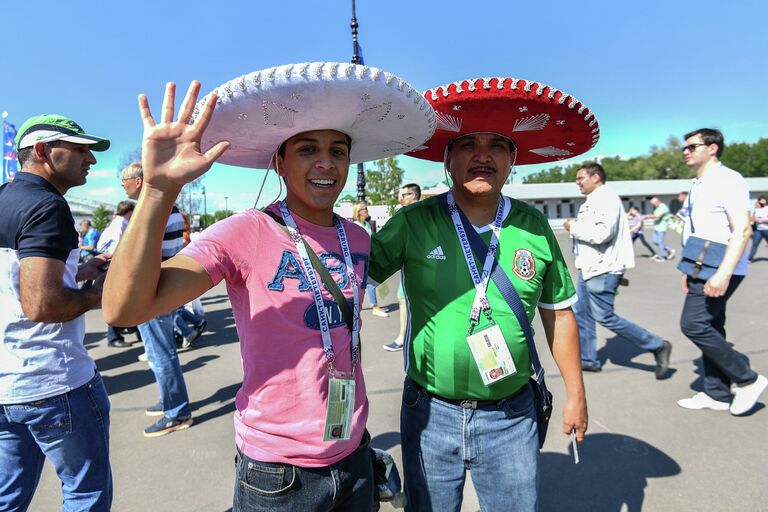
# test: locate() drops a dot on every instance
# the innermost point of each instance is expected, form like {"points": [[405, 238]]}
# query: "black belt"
{"points": [[467, 403]]}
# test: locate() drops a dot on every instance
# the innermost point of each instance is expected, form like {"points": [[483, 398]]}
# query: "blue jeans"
{"points": [[595, 304], [498, 443], [703, 322], [72, 431], [183, 317], [641, 236], [757, 235], [160, 345], [658, 240], [274, 487], [372, 295]]}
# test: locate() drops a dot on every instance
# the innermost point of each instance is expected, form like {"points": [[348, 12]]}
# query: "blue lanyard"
{"points": [[480, 281], [315, 285]]}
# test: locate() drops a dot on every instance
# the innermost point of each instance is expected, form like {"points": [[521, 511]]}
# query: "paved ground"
{"points": [[642, 453]]}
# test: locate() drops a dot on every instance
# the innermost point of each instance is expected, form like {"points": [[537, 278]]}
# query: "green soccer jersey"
{"points": [[421, 241]]}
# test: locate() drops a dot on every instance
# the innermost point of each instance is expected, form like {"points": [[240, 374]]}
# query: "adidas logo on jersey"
{"points": [[436, 254]]}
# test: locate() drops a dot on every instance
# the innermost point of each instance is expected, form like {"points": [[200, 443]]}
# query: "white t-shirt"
{"points": [[111, 235], [761, 213], [719, 192]]}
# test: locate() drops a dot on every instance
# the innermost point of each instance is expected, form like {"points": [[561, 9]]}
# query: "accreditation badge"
{"points": [[491, 354], [341, 405]]}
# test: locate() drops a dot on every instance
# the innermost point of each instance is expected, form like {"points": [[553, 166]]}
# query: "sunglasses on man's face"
{"points": [[691, 147]]}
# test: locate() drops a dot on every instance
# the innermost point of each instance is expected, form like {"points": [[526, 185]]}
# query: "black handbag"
{"points": [[542, 398], [701, 258]]}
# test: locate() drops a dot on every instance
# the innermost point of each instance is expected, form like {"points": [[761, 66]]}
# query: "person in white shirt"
{"points": [[760, 218], [718, 211], [603, 249], [111, 235]]}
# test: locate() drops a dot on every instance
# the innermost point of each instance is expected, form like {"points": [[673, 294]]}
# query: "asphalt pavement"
{"points": [[642, 451]]}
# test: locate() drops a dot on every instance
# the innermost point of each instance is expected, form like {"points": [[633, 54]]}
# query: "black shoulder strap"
{"points": [[328, 281]]}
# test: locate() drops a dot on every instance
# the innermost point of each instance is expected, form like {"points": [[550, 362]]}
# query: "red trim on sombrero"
{"points": [[546, 124]]}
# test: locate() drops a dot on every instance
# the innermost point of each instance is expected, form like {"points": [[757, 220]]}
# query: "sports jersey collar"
{"points": [[36, 180]]}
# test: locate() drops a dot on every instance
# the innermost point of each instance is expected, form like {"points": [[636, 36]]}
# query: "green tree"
{"points": [[383, 183], [221, 214], [101, 217]]}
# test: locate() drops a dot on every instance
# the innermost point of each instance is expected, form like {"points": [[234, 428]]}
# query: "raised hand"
{"points": [[171, 154]]}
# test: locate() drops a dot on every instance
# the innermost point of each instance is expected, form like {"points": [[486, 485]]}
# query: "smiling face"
{"points": [[480, 163], [315, 165]]}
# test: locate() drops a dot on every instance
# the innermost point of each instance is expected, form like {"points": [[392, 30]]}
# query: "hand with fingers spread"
{"points": [[171, 154]]}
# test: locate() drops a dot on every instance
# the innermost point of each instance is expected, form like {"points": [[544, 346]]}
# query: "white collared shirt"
{"points": [[719, 192]]}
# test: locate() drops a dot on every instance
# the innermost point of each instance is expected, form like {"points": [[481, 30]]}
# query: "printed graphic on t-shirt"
{"points": [[291, 273]]}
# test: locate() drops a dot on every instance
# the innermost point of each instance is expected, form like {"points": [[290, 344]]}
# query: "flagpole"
{"points": [[356, 60]]}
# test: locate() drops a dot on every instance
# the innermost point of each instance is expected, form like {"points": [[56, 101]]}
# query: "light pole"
{"points": [[205, 210], [357, 59], [226, 208]]}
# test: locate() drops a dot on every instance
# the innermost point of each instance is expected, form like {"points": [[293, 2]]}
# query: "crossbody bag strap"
{"points": [[325, 276], [505, 287]]}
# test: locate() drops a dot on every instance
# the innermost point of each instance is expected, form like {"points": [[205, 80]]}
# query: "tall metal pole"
{"points": [[356, 60], [205, 210]]}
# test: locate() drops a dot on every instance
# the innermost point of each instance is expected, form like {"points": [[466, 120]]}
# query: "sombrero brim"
{"points": [[545, 123], [382, 114]]}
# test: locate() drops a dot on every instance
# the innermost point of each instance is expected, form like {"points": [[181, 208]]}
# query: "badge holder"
{"points": [[490, 351], [341, 405]]}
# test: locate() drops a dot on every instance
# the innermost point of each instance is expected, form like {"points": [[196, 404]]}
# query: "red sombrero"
{"points": [[545, 124]]}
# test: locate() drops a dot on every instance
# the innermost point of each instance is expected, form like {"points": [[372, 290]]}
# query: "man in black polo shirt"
{"points": [[53, 403]]}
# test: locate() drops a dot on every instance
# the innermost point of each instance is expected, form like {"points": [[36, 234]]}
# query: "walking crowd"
{"points": [[475, 267]]}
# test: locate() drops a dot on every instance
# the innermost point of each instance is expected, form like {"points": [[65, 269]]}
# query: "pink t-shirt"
{"points": [[281, 406]]}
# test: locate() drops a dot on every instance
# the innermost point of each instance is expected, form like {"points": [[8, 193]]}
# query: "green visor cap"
{"points": [[51, 127]]}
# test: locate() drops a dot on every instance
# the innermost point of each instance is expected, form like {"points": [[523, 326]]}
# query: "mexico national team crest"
{"points": [[524, 265]]}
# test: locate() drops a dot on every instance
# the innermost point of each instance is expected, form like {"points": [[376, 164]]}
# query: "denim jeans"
{"points": [[274, 487], [757, 235], [72, 431], [160, 345], [183, 317], [641, 236], [658, 240], [703, 322], [498, 444], [372, 295], [596, 297]]}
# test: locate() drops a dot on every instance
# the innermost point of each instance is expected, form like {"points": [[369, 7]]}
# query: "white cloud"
{"points": [[102, 173], [101, 194]]}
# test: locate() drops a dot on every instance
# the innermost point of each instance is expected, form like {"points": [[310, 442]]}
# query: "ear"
{"points": [[40, 151], [279, 165]]}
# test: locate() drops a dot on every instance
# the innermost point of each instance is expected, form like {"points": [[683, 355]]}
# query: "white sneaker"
{"points": [[377, 311], [745, 397], [670, 254], [702, 400]]}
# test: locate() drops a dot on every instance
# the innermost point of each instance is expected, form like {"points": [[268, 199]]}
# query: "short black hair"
{"points": [[24, 156], [415, 188], [593, 168], [281, 149], [709, 136]]}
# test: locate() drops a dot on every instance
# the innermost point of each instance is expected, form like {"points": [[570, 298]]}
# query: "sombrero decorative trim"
{"points": [[383, 114], [546, 124]]}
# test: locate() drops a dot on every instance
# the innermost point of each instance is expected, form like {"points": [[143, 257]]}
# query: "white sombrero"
{"points": [[382, 114]]}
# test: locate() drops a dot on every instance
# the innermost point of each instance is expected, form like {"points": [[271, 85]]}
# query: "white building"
{"points": [[559, 201]]}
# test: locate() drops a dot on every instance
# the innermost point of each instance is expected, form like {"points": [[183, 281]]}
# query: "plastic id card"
{"points": [[341, 404], [491, 355]]}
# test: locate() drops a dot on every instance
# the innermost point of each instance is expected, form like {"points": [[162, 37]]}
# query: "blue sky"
{"points": [[647, 69]]}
